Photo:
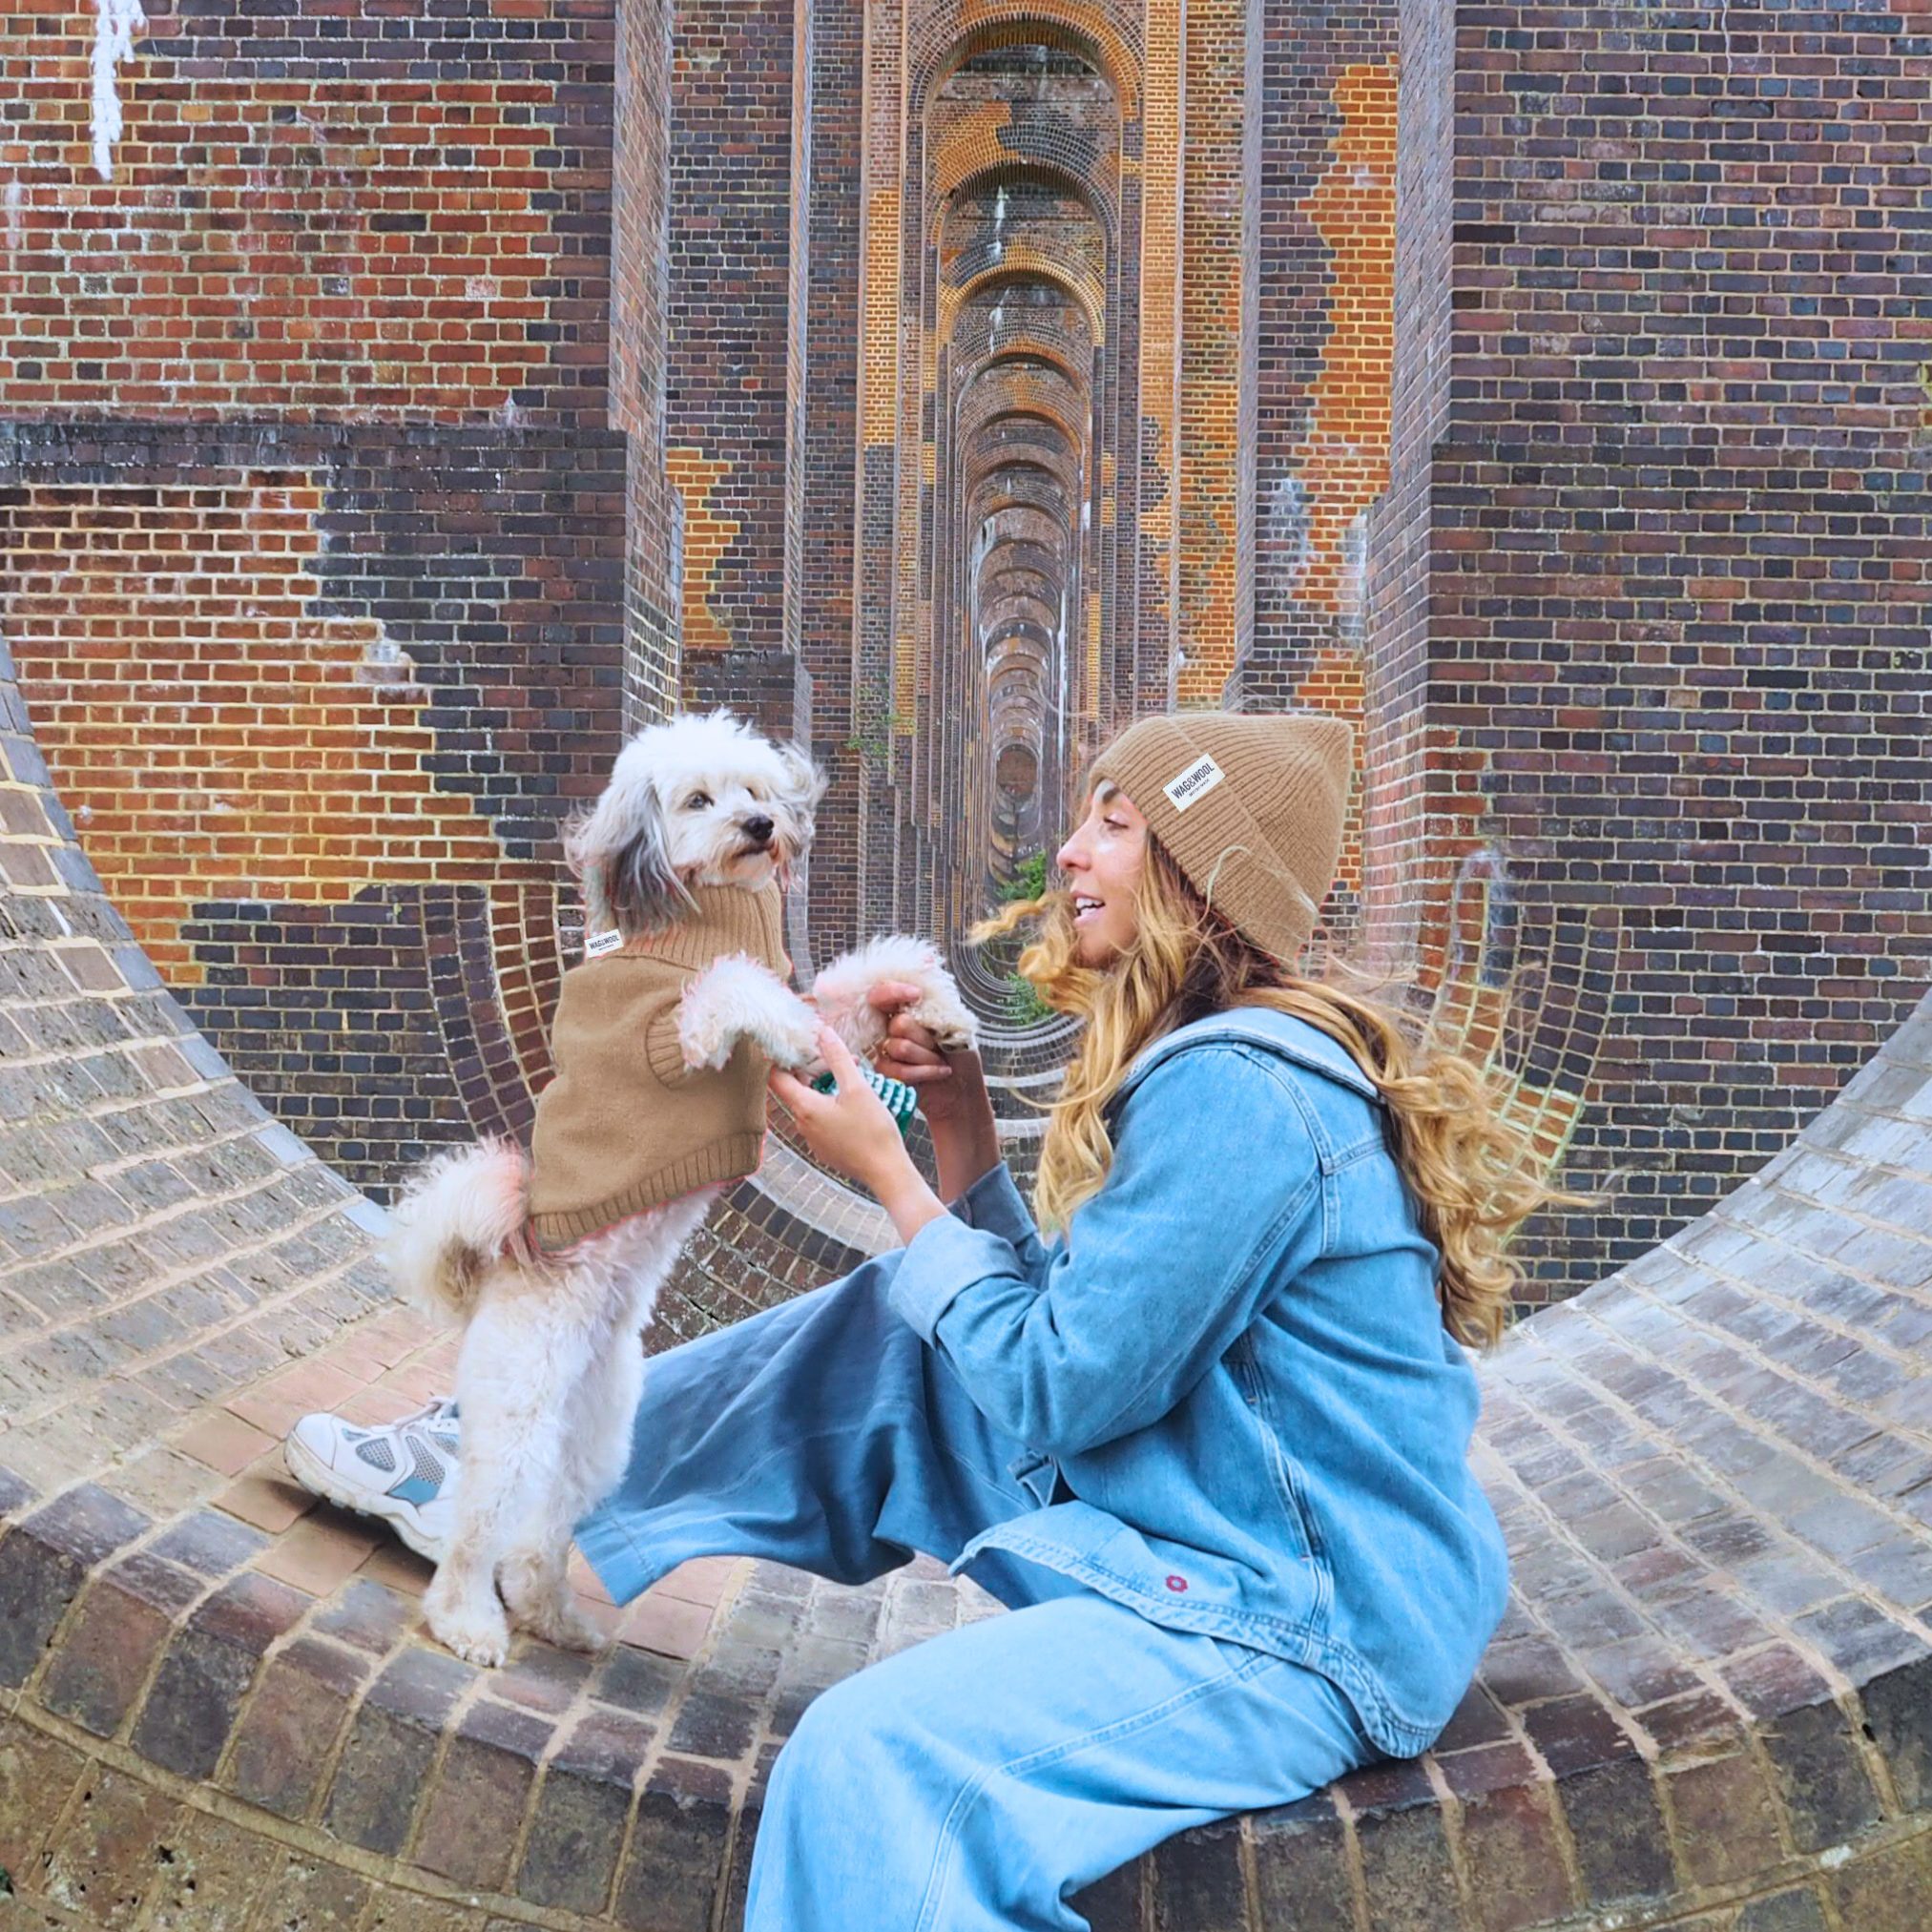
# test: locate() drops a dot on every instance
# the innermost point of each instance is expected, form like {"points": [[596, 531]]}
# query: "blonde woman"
{"points": [[1206, 1434]]}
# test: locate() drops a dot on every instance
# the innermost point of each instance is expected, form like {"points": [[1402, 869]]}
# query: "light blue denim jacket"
{"points": [[1237, 1360]]}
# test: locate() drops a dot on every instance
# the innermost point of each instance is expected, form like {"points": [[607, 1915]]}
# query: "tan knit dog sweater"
{"points": [[625, 1126]]}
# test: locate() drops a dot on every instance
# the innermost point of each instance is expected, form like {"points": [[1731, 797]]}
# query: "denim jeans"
{"points": [[980, 1778]]}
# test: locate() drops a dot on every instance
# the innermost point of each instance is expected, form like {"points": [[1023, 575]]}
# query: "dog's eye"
{"points": [[697, 802]]}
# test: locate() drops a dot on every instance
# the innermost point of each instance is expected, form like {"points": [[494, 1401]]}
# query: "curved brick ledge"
{"points": [[1710, 1705]]}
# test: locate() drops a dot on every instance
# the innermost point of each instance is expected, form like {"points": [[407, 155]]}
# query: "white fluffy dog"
{"points": [[550, 1368]]}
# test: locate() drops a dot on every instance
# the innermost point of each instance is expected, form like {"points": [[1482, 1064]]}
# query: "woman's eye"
{"points": [[1114, 824], [697, 802]]}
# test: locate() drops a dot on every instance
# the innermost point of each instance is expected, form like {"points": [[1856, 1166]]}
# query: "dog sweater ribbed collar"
{"points": [[722, 920]]}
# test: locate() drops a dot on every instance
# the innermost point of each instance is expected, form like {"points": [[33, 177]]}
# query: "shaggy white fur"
{"points": [[551, 1369], [733, 1001], [842, 994]]}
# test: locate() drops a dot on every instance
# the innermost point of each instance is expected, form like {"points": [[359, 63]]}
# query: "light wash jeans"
{"points": [[980, 1778]]}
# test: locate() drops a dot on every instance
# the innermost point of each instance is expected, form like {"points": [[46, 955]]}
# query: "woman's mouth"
{"points": [[1086, 906]]}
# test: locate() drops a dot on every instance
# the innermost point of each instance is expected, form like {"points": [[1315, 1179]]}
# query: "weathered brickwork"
{"points": [[195, 706], [315, 214], [1653, 574], [347, 657], [945, 386], [727, 378]]}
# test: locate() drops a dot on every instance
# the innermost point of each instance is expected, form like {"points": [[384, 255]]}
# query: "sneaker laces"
{"points": [[438, 1410]]}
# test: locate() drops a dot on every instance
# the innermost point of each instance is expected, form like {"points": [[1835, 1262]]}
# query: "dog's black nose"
{"points": [[757, 829]]}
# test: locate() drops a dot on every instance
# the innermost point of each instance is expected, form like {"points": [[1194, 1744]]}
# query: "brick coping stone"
{"points": [[1710, 1705]]}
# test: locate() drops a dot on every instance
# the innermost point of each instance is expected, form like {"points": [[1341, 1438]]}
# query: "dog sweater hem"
{"points": [[723, 1161]]}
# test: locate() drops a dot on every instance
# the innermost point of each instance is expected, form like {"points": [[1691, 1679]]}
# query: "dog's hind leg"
{"points": [[600, 1411], [592, 1453], [522, 1358]]}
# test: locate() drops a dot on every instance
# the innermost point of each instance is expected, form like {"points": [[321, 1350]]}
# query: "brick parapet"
{"points": [[1711, 1702]]}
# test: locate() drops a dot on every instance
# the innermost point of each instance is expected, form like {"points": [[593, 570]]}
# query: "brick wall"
{"points": [[1659, 673], [339, 408], [729, 369], [336, 545]]}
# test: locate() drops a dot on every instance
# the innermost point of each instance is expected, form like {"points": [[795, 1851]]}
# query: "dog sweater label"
{"points": [[1198, 780], [597, 943]]}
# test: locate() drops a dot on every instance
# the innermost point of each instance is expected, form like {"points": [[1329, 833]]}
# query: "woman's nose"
{"points": [[1069, 858]]}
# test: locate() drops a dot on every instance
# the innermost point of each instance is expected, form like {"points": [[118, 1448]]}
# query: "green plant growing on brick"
{"points": [[874, 723], [1028, 880], [1024, 1007]]}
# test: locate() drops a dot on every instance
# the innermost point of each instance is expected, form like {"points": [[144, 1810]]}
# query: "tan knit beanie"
{"points": [[1249, 805]]}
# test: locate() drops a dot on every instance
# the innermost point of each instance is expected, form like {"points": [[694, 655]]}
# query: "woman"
{"points": [[1206, 1441]]}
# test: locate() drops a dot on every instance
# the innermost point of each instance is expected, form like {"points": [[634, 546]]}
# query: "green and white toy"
{"points": [[902, 1102]]}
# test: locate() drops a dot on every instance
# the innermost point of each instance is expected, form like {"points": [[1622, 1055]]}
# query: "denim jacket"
{"points": [[1236, 1359]]}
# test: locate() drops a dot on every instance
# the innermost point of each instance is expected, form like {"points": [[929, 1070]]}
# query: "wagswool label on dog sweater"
{"points": [[597, 943]]}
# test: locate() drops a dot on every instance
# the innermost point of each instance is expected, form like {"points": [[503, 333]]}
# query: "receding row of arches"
{"points": [[1021, 401]]}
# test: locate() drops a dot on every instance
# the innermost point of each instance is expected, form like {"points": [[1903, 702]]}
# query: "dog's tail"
{"points": [[455, 1218]]}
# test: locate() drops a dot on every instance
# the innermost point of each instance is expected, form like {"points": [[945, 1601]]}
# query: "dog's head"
{"points": [[700, 801]]}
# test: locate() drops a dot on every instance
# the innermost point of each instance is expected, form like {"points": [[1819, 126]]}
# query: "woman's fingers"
{"points": [[905, 1060], [837, 1055], [794, 1095], [889, 995]]}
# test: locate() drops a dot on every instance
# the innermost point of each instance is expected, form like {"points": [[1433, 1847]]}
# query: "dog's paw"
{"points": [[566, 1625], [703, 1037], [476, 1635], [791, 1042], [941, 1012], [734, 998]]}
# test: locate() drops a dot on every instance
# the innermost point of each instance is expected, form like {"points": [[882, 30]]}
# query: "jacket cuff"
{"points": [[940, 1263], [993, 1203]]}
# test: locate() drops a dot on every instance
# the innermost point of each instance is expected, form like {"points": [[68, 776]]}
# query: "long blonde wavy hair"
{"points": [[1474, 1176]]}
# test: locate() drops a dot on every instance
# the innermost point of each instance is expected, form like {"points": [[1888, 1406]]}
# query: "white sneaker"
{"points": [[403, 1472]]}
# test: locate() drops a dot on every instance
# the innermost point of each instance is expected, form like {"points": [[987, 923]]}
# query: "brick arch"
{"points": [[1036, 488], [939, 47], [992, 174], [988, 390], [1013, 578], [1024, 266]]}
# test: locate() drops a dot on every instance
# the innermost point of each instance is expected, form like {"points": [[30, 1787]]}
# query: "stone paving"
{"points": [[1711, 1704]]}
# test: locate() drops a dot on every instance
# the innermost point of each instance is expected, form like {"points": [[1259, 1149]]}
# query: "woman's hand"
{"points": [[851, 1131], [951, 1088], [909, 1052]]}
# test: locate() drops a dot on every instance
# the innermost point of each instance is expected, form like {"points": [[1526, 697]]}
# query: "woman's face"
{"points": [[1103, 862]]}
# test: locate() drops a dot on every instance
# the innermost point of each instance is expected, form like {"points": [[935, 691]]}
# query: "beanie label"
{"points": [[1198, 780]]}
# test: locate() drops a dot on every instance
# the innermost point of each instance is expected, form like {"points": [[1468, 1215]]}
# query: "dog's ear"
{"points": [[801, 784], [621, 853], [644, 891]]}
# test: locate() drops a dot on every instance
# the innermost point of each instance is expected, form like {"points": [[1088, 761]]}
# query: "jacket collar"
{"points": [[1261, 1027]]}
